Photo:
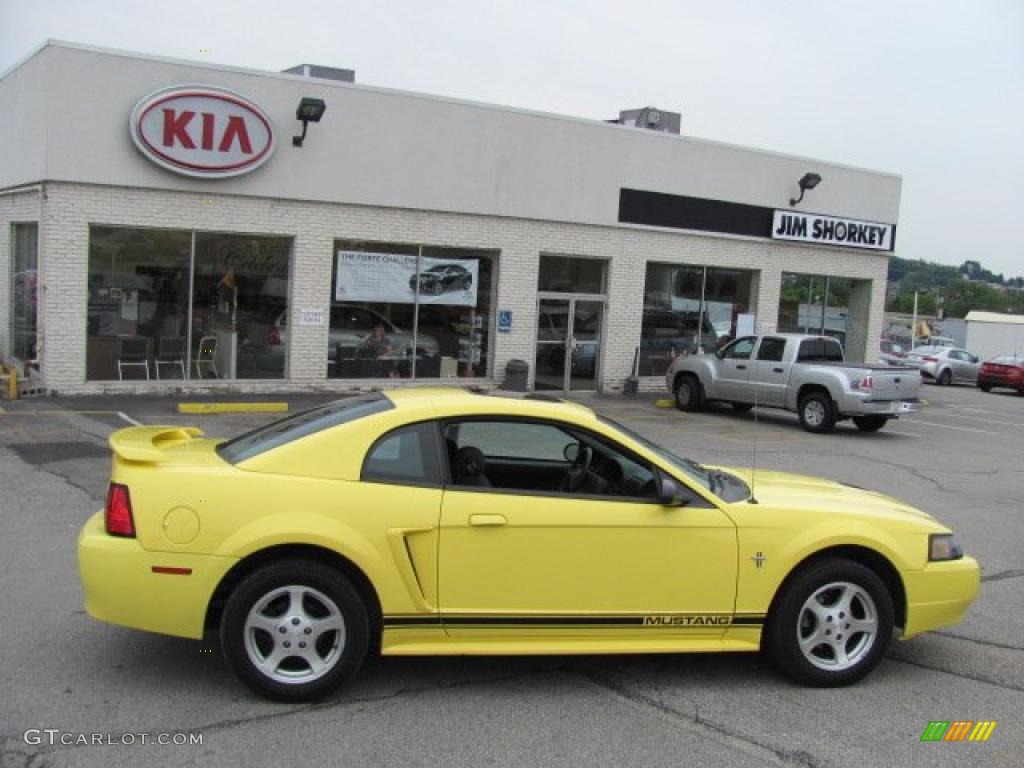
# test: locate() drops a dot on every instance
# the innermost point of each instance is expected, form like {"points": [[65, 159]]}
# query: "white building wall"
{"points": [[988, 340], [71, 208]]}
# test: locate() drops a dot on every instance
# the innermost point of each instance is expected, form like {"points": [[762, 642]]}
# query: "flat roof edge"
{"points": [[591, 122]]}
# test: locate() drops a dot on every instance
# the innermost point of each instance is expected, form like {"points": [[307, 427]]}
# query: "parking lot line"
{"points": [[129, 419], [1002, 422], [958, 429]]}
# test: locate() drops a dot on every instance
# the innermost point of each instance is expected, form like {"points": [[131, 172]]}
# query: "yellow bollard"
{"points": [[12, 383]]}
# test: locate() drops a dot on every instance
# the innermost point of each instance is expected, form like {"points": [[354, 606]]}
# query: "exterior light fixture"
{"points": [[309, 111], [807, 181]]}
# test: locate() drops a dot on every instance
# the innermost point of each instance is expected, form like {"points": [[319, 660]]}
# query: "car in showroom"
{"points": [[1004, 372], [448, 522], [442, 278], [945, 365], [350, 327]]}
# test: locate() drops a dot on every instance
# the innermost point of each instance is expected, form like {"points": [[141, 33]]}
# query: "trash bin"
{"points": [[517, 372]]}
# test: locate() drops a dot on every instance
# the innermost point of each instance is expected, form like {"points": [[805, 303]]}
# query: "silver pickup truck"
{"points": [[804, 374]]}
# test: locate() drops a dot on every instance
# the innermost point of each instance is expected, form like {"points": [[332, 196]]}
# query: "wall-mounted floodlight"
{"points": [[309, 111], [807, 181]]}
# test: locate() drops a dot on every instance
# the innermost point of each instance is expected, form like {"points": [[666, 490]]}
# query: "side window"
{"points": [[771, 349], [543, 457], [820, 351], [740, 349], [404, 456]]}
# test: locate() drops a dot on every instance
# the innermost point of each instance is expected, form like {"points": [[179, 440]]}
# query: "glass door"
{"points": [[552, 344], [568, 344], [584, 344]]}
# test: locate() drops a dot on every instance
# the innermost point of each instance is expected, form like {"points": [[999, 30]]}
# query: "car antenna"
{"points": [[753, 461]]}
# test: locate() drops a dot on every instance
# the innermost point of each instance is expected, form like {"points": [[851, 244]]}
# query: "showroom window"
{"points": [[404, 311], [815, 304], [24, 289], [690, 310], [176, 304]]}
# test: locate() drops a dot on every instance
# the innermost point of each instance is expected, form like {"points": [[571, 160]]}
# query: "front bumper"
{"points": [[120, 586], [939, 594]]}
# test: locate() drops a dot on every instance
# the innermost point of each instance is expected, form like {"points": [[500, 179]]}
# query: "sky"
{"points": [[933, 91]]}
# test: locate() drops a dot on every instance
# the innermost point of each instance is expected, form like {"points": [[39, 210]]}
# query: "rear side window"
{"points": [[301, 425], [820, 351], [771, 349], [405, 456]]}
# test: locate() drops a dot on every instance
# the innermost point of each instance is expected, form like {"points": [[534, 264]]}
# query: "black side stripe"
{"points": [[561, 621]]}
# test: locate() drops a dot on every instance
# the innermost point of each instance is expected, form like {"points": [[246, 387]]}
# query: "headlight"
{"points": [[943, 546]]}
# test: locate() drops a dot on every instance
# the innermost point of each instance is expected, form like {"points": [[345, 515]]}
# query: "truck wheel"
{"points": [[831, 624], [869, 423], [945, 378], [689, 393], [817, 413]]}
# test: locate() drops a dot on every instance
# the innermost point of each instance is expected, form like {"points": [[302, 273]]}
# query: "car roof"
{"points": [[460, 401]]}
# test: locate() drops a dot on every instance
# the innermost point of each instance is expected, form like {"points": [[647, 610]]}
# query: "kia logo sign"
{"points": [[202, 131]]}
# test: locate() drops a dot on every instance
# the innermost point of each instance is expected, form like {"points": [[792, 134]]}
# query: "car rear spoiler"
{"points": [[148, 443]]}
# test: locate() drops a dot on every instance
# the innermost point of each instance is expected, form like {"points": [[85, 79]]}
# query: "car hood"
{"points": [[785, 490]]}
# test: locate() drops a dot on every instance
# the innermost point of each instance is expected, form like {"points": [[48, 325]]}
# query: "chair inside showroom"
{"points": [[206, 354], [133, 353], [170, 350]]}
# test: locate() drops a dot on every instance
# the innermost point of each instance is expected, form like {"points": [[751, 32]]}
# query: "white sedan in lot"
{"points": [[945, 365]]}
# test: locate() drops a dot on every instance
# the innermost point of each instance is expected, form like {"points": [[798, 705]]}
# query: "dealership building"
{"points": [[170, 224]]}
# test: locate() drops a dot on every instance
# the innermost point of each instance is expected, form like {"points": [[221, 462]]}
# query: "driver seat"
{"points": [[468, 467]]}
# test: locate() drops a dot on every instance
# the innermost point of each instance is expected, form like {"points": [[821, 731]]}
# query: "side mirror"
{"points": [[670, 494]]}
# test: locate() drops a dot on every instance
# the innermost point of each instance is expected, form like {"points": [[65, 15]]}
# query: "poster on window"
{"points": [[392, 278]]}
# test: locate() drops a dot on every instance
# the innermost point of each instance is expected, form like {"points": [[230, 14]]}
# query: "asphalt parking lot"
{"points": [[960, 458]]}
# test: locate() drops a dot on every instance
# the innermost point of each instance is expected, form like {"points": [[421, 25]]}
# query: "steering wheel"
{"points": [[578, 470]]}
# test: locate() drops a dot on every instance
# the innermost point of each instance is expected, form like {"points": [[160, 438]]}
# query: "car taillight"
{"points": [[866, 383], [274, 337], [118, 513], [929, 359]]}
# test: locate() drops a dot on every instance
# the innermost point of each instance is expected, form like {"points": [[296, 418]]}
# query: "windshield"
{"points": [[690, 468], [300, 425]]}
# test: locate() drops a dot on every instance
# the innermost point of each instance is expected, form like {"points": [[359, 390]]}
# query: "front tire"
{"points": [[295, 630], [985, 387], [689, 393], [817, 413], [831, 625], [869, 423]]}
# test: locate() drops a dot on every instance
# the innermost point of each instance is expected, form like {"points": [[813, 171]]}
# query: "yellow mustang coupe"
{"points": [[444, 521]]}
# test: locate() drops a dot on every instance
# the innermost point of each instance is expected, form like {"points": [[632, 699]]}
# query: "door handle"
{"points": [[778, 370], [488, 520], [741, 367]]}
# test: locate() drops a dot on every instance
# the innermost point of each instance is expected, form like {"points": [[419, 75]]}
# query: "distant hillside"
{"points": [[947, 287]]}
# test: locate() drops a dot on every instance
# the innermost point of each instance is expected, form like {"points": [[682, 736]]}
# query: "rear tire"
{"points": [[869, 423], [945, 378], [295, 630], [985, 387], [831, 624], [817, 413], [689, 393]]}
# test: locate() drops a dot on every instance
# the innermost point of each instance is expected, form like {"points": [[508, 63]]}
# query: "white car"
{"points": [[945, 365]]}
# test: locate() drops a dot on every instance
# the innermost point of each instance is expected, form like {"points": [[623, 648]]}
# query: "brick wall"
{"points": [[71, 208]]}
